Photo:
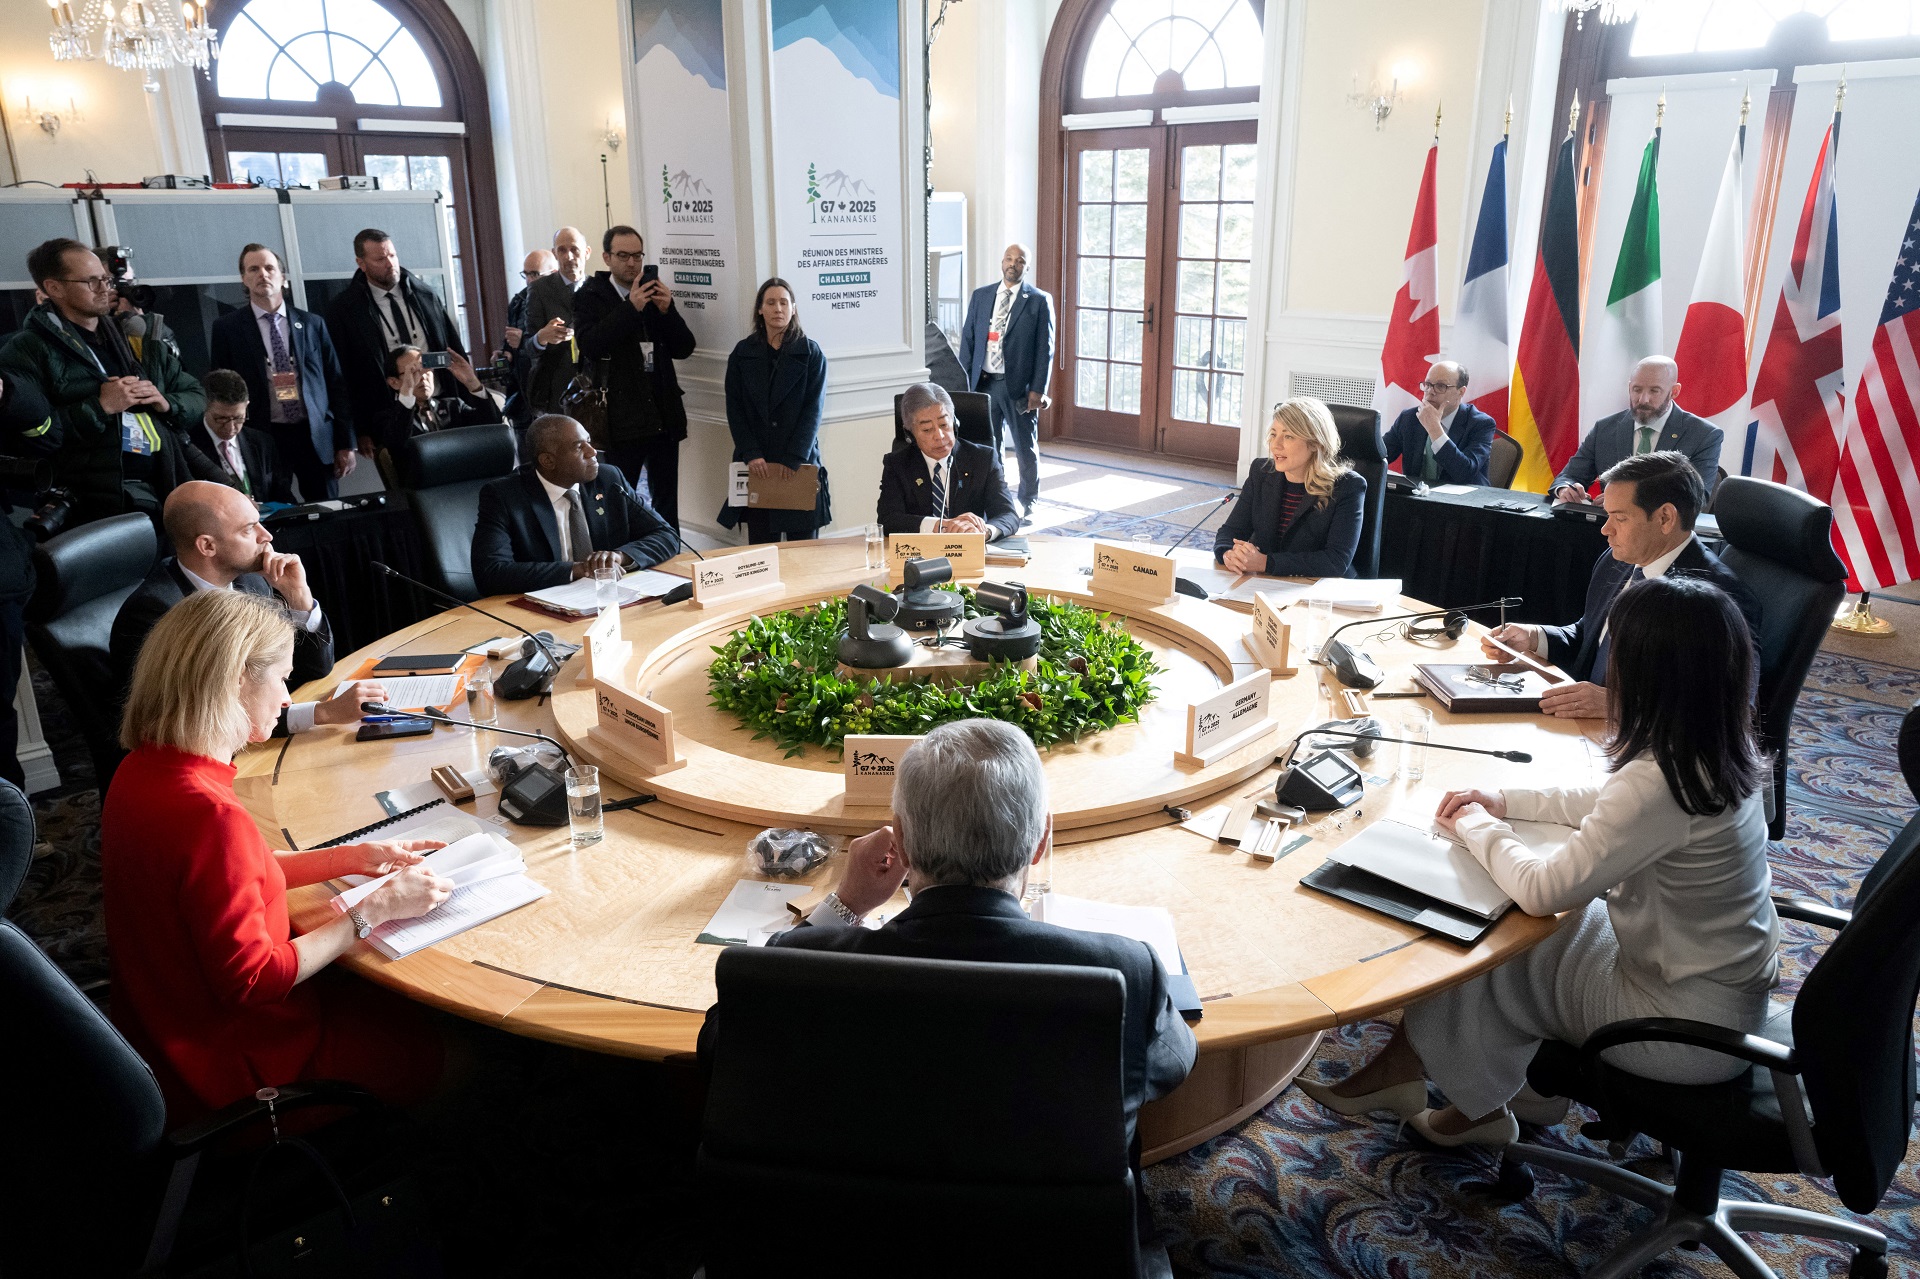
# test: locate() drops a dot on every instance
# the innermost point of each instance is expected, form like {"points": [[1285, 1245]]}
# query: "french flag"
{"points": [[1480, 335]]}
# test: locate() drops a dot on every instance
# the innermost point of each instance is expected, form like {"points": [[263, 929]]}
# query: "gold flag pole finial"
{"points": [[1660, 111], [1507, 128], [1573, 117], [1746, 106]]}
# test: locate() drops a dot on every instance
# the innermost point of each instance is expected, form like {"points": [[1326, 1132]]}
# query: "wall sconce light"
{"points": [[47, 116], [614, 134], [1374, 101]]}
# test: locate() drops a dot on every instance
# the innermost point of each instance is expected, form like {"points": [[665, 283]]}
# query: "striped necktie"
{"points": [[939, 491]]}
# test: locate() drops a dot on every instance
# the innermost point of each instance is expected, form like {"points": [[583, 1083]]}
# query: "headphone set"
{"points": [[1450, 627]]}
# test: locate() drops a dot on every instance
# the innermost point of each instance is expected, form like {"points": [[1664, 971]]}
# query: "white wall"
{"points": [[113, 135]]}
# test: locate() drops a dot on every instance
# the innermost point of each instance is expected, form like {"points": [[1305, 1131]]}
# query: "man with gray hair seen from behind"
{"points": [[1651, 423], [970, 806], [939, 483]]}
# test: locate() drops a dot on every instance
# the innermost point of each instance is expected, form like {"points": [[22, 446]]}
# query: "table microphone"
{"points": [[685, 589], [1187, 586], [534, 796], [1351, 665], [1298, 786], [1517, 757], [525, 677]]}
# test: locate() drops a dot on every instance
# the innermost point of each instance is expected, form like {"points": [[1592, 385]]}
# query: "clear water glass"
{"points": [[1416, 725], [1039, 879], [584, 821], [876, 548], [482, 708], [1321, 613], [606, 592]]}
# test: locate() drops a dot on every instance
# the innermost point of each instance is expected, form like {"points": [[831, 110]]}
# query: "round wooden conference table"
{"points": [[608, 961]]}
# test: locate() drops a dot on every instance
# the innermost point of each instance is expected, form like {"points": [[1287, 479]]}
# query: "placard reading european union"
{"points": [[838, 190], [683, 144], [636, 730], [967, 552], [1232, 718], [1146, 576], [872, 760], [722, 579]]}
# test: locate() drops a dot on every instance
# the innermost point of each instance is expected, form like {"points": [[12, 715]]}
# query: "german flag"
{"points": [[1544, 404]]}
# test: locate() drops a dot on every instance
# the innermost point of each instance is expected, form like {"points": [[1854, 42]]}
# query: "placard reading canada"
{"points": [[720, 579], [1140, 575], [871, 760], [837, 179], [966, 552], [683, 144]]}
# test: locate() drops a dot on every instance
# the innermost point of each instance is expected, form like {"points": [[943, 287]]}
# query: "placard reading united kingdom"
{"points": [[837, 183], [683, 140]]}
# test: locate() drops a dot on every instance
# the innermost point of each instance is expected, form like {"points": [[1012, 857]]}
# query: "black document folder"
{"points": [[1350, 883]]}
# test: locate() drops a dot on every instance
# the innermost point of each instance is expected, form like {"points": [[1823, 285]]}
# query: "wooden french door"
{"points": [[1157, 282]]}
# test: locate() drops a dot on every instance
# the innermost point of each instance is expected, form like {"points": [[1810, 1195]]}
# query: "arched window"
{"points": [[1722, 26], [390, 89], [1147, 219]]}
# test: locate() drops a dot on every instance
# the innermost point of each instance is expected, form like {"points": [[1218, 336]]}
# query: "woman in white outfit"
{"points": [[1664, 884]]}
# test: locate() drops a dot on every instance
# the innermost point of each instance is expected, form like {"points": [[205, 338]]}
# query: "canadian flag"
{"points": [[1413, 332], [1712, 352]]}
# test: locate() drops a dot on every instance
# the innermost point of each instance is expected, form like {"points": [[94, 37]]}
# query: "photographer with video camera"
{"points": [[117, 440], [133, 303]]}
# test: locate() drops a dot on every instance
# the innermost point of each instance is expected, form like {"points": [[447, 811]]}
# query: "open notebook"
{"points": [[488, 873]]}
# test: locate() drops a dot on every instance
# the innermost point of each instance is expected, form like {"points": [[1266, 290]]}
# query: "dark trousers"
{"points": [[313, 473], [659, 460], [1007, 409], [760, 529]]}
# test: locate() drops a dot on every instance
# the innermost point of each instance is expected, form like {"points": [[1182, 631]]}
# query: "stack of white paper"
{"points": [[489, 878], [581, 595], [1150, 924], [1345, 594]]}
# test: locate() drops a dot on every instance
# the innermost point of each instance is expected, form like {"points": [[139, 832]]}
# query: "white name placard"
{"points": [[636, 730], [1270, 638], [967, 552], [1136, 575], [871, 761], [1233, 718], [722, 579], [603, 654]]}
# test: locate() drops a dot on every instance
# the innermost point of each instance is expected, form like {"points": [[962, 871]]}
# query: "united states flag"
{"points": [[1876, 501]]}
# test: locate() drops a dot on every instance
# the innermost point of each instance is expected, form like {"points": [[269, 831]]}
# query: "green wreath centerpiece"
{"points": [[778, 675]]}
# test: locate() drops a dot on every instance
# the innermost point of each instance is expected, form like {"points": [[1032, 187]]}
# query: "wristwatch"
{"points": [[833, 912], [361, 928]]}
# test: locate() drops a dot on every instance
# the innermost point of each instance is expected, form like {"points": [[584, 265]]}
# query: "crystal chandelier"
{"points": [[1611, 12], [140, 36]]}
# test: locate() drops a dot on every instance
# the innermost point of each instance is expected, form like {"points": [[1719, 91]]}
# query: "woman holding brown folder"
{"points": [[776, 385], [1664, 884]]}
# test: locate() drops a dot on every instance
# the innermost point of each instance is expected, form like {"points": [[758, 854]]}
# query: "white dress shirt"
{"points": [[1659, 425], [1688, 896], [1656, 567], [927, 523], [300, 714], [413, 336], [997, 358], [562, 514]]}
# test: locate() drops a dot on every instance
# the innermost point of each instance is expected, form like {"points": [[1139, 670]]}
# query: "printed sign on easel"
{"points": [[1233, 718], [966, 552], [1143, 577], [872, 760], [636, 730], [1269, 639]]}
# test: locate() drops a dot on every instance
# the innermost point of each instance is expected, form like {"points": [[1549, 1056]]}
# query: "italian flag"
{"points": [[1631, 328]]}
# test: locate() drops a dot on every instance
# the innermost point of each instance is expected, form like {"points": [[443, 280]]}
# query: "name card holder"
{"points": [[603, 654], [721, 580], [966, 552], [1134, 576], [872, 760], [636, 731], [1232, 719], [1270, 639]]}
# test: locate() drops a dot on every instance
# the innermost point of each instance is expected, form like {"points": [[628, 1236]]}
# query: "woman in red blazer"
{"points": [[208, 980]]}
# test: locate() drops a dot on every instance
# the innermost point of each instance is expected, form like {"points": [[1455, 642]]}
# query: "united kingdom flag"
{"points": [[1799, 391]]}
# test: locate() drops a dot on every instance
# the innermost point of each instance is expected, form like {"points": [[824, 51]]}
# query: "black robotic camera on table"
{"points": [[921, 608], [871, 641], [1009, 634]]}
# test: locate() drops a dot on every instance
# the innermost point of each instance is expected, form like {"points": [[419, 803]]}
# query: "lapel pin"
{"points": [[918, 483]]}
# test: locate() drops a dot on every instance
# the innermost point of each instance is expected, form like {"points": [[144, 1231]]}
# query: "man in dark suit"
{"points": [[539, 264], [1006, 347], [630, 329], [562, 516], [1441, 440], [221, 545], [940, 483], [1652, 422], [382, 307], [421, 400], [970, 806], [554, 342], [1652, 501], [250, 458], [297, 391]]}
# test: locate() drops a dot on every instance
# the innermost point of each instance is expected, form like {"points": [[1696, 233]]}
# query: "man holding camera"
{"points": [[297, 392], [118, 441], [423, 401], [383, 307]]}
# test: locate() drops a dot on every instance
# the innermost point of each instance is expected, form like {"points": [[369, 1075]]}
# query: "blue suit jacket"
{"points": [[1027, 344], [516, 538], [1321, 540], [237, 345], [1611, 440], [1571, 648], [1461, 460]]}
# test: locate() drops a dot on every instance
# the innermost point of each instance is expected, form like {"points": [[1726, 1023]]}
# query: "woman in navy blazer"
{"points": [[1300, 510], [776, 384]]}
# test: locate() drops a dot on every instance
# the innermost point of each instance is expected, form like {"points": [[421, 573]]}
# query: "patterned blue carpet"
{"points": [[1300, 1191]]}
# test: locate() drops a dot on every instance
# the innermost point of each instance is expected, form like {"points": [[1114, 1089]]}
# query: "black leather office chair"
{"points": [[1504, 462], [16, 842], [974, 419], [443, 473], [1830, 1093], [84, 575], [1779, 544], [1361, 445], [91, 1180], [972, 1111]]}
